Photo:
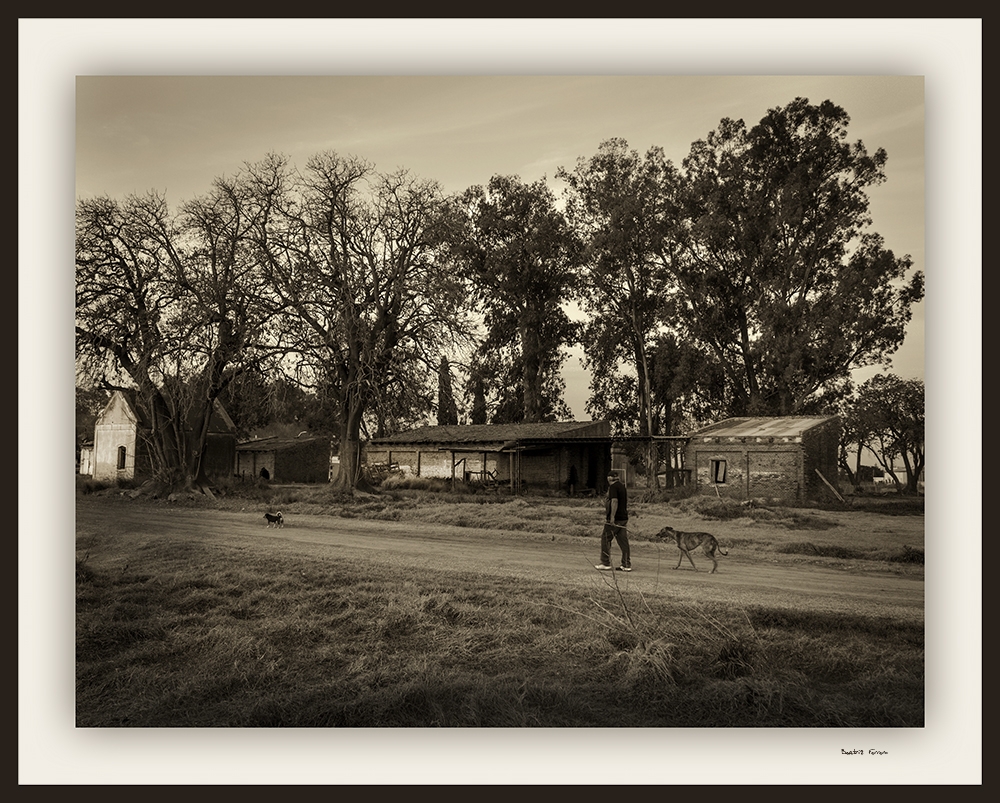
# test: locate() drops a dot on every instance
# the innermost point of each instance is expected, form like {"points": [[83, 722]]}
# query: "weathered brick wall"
{"points": [[408, 460], [250, 463], [220, 456], [752, 470], [309, 462], [107, 439], [820, 446], [435, 464], [700, 461], [424, 462], [774, 473], [479, 462]]}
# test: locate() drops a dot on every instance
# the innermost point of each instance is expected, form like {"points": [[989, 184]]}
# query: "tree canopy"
{"points": [[622, 206], [172, 306], [358, 262], [886, 417], [776, 273], [519, 256], [746, 281]]}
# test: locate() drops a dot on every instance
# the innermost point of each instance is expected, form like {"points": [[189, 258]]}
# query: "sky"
{"points": [[460, 134], [174, 134]]}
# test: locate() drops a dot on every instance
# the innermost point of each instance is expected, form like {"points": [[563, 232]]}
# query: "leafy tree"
{"points": [[520, 256], [447, 408], [887, 418], [502, 364], [476, 388], [358, 261], [622, 206], [851, 446], [171, 306], [777, 274]]}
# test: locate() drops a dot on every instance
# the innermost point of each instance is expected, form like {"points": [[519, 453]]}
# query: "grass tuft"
{"points": [[204, 635]]}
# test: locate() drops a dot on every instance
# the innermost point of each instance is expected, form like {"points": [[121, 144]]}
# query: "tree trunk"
{"points": [[351, 476], [531, 371]]}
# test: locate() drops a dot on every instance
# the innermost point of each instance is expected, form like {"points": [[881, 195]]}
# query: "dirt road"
{"points": [[538, 558]]}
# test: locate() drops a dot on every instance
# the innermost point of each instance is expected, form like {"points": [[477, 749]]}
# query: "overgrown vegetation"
{"points": [[171, 634], [265, 642]]}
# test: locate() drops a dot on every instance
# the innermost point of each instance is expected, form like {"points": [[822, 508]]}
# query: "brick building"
{"points": [[787, 457], [550, 456], [121, 442], [277, 459]]}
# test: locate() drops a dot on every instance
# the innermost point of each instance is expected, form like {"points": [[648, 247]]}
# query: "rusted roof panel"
{"points": [[763, 427], [501, 433]]}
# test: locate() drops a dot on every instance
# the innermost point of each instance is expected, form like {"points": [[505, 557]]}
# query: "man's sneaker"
{"points": [[624, 568], [602, 567]]}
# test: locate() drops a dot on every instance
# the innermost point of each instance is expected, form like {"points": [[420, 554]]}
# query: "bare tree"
{"points": [[170, 307], [358, 260]]}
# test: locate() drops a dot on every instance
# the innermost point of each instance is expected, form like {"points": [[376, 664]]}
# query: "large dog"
{"points": [[275, 519], [688, 541]]}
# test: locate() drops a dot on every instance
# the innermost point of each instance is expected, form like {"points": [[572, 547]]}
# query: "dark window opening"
{"points": [[121, 457], [718, 471]]}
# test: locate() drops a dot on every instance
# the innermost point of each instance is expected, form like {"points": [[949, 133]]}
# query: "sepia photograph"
{"points": [[462, 403]]}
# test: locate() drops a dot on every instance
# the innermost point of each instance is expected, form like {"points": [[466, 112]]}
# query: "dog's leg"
{"points": [[710, 548]]}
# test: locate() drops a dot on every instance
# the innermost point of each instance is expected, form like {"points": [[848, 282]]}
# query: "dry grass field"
{"points": [[423, 608]]}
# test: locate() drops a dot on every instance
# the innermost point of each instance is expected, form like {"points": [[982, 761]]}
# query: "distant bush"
{"points": [[396, 482], [822, 550], [255, 490], [712, 507], [88, 485], [909, 555]]}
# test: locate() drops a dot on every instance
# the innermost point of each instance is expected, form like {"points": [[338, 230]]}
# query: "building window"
{"points": [[121, 457], [718, 471]]}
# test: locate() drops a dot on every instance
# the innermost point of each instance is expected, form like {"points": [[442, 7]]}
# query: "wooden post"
{"points": [[828, 485]]}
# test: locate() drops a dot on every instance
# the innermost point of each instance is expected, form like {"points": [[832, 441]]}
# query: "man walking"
{"points": [[616, 519]]}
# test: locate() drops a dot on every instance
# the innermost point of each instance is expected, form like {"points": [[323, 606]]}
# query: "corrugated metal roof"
{"points": [[272, 444], [501, 433], [764, 427]]}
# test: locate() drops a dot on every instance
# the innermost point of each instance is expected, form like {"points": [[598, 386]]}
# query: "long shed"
{"points": [[572, 456], [786, 457], [284, 459]]}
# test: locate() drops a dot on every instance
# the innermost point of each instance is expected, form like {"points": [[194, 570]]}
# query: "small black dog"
{"points": [[275, 519]]}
